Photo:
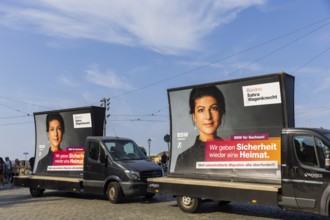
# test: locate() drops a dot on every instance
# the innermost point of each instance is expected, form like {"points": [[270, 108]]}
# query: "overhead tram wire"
{"points": [[139, 120], [229, 56], [280, 48], [25, 114], [203, 66], [142, 119], [138, 115], [10, 117], [311, 60], [226, 57], [27, 103], [16, 123], [17, 110], [315, 109], [243, 51]]}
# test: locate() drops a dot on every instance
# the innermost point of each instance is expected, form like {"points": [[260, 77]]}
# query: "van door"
{"points": [[308, 175], [95, 168]]}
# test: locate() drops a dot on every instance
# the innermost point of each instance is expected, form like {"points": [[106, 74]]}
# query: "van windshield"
{"points": [[124, 150], [327, 134]]}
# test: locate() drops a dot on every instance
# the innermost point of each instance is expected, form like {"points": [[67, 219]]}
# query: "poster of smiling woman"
{"points": [[60, 139], [231, 129]]}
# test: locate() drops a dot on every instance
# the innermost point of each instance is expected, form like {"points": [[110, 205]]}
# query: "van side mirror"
{"points": [[327, 163]]}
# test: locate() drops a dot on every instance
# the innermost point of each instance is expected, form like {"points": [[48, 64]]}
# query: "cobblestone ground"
{"points": [[16, 203]]}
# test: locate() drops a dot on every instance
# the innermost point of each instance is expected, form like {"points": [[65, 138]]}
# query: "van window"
{"points": [[93, 151], [129, 148], [299, 150], [305, 149], [96, 152], [323, 151], [124, 150]]}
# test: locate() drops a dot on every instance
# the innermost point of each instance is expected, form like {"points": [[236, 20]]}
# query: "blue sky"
{"points": [[66, 54]]}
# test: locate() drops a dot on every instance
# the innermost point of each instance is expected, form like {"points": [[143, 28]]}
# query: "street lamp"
{"points": [[149, 143]]}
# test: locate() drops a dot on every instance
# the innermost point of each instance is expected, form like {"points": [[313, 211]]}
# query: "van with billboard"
{"points": [[236, 140], [71, 154]]}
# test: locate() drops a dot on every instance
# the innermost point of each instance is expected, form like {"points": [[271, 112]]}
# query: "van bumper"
{"points": [[134, 188]]}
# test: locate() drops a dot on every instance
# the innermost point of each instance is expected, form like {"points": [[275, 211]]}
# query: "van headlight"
{"points": [[132, 175]]}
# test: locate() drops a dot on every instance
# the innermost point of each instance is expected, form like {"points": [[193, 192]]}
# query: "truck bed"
{"points": [[216, 190], [215, 183], [72, 184]]}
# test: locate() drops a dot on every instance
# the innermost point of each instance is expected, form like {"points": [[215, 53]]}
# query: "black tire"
{"points": [[36, 192], [114, 192], [149, 195], [188, 204], [223, 203]]}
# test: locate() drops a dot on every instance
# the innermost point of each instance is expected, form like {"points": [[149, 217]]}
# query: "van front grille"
{"points": [[150, 174]]}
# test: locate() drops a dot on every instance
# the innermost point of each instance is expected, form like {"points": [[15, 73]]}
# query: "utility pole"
{"points": [[149, 143], [105, 102]]}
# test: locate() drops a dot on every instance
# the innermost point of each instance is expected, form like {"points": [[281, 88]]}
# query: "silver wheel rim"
{"points": [[186, 200], [112, 192]]}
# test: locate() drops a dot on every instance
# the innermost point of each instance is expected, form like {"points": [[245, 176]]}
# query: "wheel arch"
{"points": [[325, 202], [108, 180]]}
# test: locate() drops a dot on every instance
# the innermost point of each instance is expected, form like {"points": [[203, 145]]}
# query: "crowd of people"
{"points": [[8, 170]]}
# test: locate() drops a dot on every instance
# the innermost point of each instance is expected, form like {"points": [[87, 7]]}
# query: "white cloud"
{"points": [[107, 79], [165, 26], [66, 80]]}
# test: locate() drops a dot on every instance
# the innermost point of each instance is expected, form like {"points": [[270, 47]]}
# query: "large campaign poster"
{"points": [[231, 130], [60, 139]]}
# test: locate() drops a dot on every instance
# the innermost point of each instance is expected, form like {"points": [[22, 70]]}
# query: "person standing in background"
{"points": [[31, 161], [9, 168], [16, 169], [2, 173]]}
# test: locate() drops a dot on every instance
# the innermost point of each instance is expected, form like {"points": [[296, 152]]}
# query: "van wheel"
{"points": [[114, 192], [188, 204], [36, 192], [149, 195], [223, 203]]}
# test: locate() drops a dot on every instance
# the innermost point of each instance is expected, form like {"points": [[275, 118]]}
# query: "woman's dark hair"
{"points": [[212, 91], [54, 116]]}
